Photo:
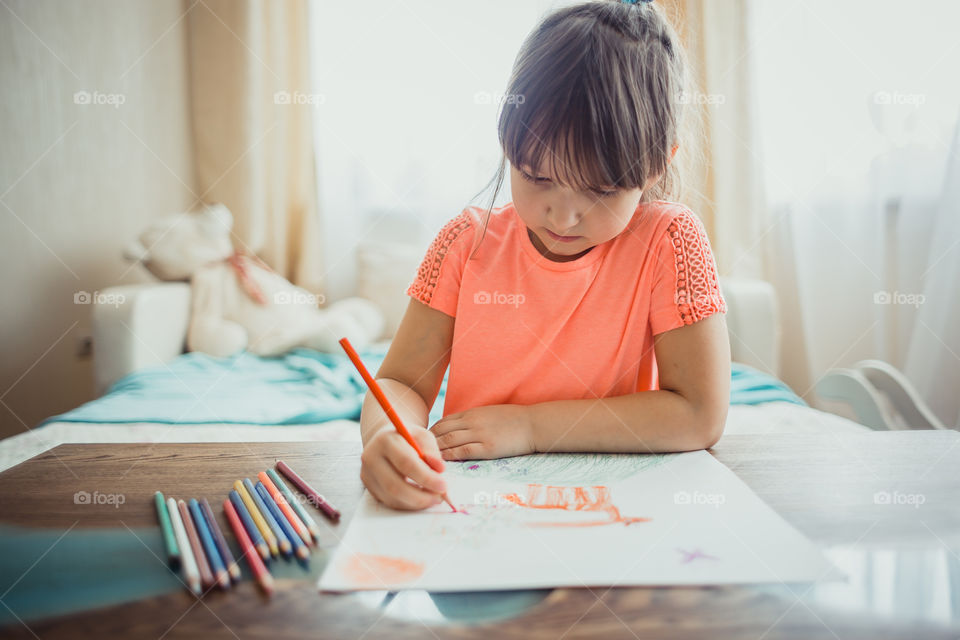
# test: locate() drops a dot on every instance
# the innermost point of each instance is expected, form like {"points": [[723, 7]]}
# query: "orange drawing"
{"points": [[582, 499], [371, 570]]}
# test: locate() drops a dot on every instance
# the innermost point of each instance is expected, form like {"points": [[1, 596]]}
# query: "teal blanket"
{"points": [[301, 387]]}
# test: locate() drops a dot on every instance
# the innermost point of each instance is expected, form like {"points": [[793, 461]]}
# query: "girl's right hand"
{"points": [[389, 464]]}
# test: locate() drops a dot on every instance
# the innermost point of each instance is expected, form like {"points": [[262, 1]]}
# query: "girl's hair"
{"points": [[598, 90]]}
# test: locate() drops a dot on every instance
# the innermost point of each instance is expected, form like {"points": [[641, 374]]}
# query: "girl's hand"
{"points": [[396, 476], [494, 431]]}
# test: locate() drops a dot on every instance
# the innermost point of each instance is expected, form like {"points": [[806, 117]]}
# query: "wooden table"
{"points": [[830, 487]]}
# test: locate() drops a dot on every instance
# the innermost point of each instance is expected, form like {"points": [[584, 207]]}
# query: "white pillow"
{"points": [[384, 271]]}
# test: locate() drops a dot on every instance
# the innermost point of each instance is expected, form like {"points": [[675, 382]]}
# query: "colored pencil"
{"points": [[259, 570], [318, 500], [257, 516], [209, 546], [385, 404], [286, 509], [169, 537], [203, 566], [299, 548], [255, 536], [225, 554], [286, 547], [295, 503], [189, 564]]}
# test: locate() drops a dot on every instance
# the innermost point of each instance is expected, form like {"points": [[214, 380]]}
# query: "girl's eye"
{"points": [[605, 194], [529, 178]]}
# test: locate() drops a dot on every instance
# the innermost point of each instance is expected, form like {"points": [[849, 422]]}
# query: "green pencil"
{"points": [[169, 537]]}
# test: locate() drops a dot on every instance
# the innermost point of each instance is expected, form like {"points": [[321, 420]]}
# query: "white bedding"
{"points": [[768, 418]]}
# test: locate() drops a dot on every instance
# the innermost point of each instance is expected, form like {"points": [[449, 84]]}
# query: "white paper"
{"points": [[575, 520]]}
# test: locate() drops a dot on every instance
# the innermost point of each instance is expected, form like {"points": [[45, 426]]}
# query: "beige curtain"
{"points": [[251, 101], [722, 179]]}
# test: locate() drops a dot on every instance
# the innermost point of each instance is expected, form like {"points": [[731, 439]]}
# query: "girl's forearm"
{"points": [[408, 404], [642, 422]]}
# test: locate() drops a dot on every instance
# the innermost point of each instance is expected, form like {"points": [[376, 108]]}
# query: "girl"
{"points": [[586, 314]]}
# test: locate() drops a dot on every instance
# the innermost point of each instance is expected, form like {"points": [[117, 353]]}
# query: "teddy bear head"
{"points": [[177, 245]]}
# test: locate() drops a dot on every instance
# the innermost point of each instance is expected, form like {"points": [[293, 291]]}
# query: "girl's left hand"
{"points": [[494, 431]]}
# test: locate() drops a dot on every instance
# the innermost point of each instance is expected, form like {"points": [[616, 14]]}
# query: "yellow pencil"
{"points": [[258, 518]]}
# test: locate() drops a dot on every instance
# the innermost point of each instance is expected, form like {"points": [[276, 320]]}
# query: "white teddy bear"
{"points": [[239, 302]]}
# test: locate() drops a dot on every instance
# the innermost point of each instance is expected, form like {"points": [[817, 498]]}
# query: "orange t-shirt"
{"points": [[530, 330]]}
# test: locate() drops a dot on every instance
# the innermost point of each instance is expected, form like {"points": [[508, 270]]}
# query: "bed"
{"points": [[139, 352]]}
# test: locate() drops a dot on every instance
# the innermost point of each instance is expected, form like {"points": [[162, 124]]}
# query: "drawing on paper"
{"points": [[696, 554], [369, 570], [593, 501], [550, 520], [561, 468]]}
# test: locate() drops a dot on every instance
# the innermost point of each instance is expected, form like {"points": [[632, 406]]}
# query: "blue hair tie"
{"points": [[636, 1]]}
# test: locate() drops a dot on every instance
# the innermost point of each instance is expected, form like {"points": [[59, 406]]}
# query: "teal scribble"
{"points": [[562, 468]]}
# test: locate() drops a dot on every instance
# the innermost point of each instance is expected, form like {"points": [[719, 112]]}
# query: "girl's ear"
{"points": [[673, 151]]}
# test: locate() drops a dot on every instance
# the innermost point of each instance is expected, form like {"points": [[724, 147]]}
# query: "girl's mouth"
{"points": [[562, 238]]}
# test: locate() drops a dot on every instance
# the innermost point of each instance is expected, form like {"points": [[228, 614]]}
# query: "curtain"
{"points": [[251, 115], [721, 175], [933, 357], [862, 242]]}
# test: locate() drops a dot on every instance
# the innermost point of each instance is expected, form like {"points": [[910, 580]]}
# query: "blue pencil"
{"points": [[258, 542], [286, 548], [299, 546], [209, 546]]}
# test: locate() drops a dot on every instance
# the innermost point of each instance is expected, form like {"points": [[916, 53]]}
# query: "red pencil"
{"points": [[259, 569], [285, 509], [318, 500], [206, 575], [387, 407]]}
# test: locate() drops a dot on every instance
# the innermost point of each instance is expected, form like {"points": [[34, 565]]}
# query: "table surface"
{"points": [[882, 506]]}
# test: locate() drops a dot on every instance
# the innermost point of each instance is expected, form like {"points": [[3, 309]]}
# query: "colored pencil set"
{"points": [[267, 520]]}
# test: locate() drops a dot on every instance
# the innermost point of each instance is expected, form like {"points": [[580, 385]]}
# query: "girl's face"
{"points": [[564, 224]]}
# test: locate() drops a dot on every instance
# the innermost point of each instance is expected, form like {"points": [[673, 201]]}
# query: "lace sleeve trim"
{"points": [[698, 288], [428, 274]]}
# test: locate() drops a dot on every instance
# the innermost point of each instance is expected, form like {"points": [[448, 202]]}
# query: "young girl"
{"points": [[586, 314]]}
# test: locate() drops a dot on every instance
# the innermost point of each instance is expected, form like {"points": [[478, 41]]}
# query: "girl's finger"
{"points": [[405, 495], [455, 438], [469, 451], [409, 465]]}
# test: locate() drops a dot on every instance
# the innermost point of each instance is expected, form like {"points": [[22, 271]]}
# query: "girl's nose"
{"points": [[562, 218], [563, 213]]}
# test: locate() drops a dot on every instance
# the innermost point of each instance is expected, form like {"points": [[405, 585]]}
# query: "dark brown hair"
{"points": [[598, 87]]}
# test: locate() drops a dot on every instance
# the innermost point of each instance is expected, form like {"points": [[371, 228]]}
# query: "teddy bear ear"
{"points": [[216, 219], [136, 252]]}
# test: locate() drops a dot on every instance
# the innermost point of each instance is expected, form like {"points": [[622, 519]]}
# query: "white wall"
{"points": [[79, 180]]}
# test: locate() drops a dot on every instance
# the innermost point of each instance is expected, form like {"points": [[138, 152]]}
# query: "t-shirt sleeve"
{"points": [[686, 288], [437, 281]]}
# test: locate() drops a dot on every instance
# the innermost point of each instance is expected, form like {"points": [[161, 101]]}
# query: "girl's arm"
{"points": [[688, 412], [412, 372]]}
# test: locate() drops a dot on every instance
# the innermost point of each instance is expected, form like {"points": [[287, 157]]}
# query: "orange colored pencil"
{"points": [[288, 513], [385, 404], [203, 565], [259, 570]]}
